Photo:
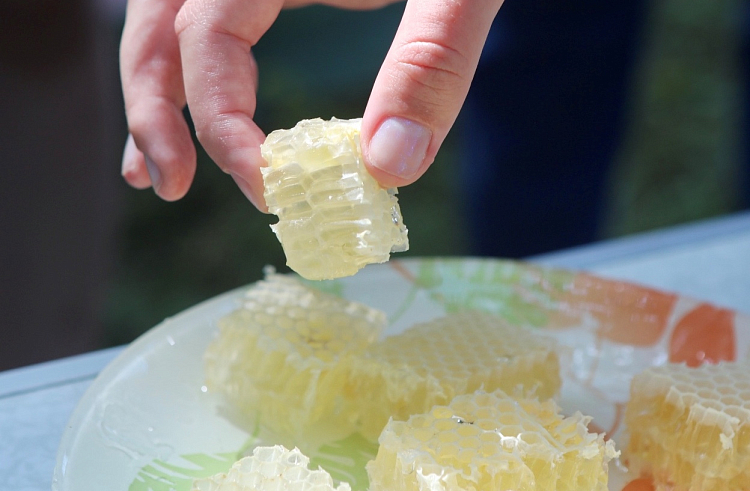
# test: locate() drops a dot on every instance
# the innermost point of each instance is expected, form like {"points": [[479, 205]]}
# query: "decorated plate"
{"points": [[149, 423]]}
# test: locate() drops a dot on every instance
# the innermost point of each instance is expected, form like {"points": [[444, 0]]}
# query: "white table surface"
{"points": [[709, 260]]}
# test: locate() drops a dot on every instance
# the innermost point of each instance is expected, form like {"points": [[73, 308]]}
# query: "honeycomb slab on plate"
{"points": [[690, 427], [304, 360], [334, 217], [491, 442], [279, 356], [432, 362], [271, 469]]}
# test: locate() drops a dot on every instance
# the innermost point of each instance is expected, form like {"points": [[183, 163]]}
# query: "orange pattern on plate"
{"points": [[627, 314], [703, 335]]}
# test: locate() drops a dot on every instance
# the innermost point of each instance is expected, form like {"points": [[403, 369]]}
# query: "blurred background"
{"points": [[586, 122]]}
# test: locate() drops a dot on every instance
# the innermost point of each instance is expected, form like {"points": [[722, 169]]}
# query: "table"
{"points": [[709, 260]]}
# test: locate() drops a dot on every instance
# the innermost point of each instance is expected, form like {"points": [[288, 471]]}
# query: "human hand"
{"points": [[197, 52]]}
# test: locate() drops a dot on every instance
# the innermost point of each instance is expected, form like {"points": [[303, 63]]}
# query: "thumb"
{"points": [[422, 85]]}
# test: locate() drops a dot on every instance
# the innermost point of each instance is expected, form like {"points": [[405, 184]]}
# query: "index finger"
{"points": [[219, 72], [422, 85]]}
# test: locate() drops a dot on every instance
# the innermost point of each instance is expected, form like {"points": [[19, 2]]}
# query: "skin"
{"points": [[198, 52]]}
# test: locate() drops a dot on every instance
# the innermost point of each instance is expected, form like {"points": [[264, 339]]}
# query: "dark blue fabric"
{"points": [[542, 122], [744, 19]]}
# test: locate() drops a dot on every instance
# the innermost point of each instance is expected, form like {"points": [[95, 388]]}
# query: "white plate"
{"points": [[147, 422]]}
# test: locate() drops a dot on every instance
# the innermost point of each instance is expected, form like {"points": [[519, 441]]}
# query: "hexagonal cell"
{"points": [[726, 390], [703, 383], [722, 380], [684, 387], [709, 394], [730, 400]]}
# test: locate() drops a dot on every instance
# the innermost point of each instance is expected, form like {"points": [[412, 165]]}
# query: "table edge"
{"points": [[589, 255], [76, 368]]}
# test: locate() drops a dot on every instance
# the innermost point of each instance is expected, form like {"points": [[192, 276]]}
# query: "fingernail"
{"points": [[153, 172], [247, 190], [128, 156], [399, 147]]}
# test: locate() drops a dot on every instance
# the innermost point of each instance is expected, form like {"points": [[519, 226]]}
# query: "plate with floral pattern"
{"points": [[148, 423]]}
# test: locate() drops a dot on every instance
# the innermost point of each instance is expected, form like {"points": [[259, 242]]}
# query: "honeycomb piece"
{"points": [[489, 441], [334, 218], [271, 469], [431, 363], [690, 427], [280, 355]]}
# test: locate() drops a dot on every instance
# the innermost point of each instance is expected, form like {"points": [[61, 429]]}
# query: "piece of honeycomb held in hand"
{"points": [[271, 469], [689, 428], [491, 442], [334, 217]]}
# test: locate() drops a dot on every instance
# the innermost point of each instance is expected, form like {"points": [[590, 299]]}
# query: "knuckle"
{"points": [[207, 131], [144, 113], [138, 120], [434, 66], [202, 19], [214, 134], [190, 14]]}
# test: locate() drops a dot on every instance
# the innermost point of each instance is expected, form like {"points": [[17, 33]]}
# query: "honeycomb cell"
{"points": [[281, 354], [334, 218], [271, 469], [407, 374], [543, 451], [690, 435]]}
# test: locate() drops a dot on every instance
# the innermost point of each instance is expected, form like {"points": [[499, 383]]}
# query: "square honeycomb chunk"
{"points": [[690, 427], [280, 355], [491, 442], [271, 469], [334, 218], [431, 363]]}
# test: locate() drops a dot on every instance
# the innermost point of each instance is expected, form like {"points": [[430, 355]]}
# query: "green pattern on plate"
{"points": [[333, 287], [520, 293], [163, 476], [345, 460]]}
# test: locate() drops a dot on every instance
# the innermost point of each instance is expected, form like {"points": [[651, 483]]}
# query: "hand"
{"points": [[197, 52]]}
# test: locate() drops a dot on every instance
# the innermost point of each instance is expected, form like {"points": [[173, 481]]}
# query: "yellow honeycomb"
{"points": [[334, 218], [690, 427], [271, 469], [431, 363], [491, 442], [281, 353], [307, 362]]}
